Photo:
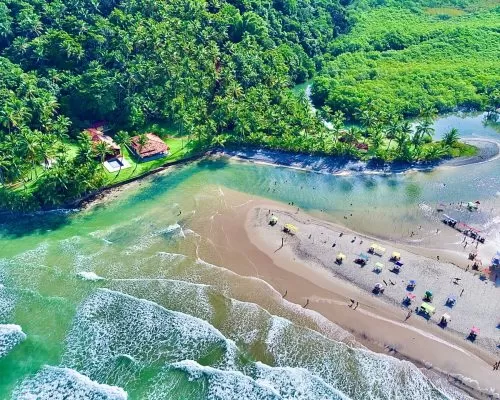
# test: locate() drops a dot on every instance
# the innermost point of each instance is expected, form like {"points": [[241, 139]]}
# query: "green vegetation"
{"points": [[214, 73], [405, 56]]}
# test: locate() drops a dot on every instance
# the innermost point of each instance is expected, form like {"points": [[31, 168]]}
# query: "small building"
{"points": [[153, 148], [97, 135]]}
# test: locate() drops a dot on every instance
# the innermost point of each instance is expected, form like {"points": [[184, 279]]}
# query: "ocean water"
{"points": [[115, 302]]}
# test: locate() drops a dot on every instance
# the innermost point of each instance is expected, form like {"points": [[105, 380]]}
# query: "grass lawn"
{"points": [[179, 149]]}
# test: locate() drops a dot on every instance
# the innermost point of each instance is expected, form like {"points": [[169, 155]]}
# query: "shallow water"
{"points": [[114, 301]]}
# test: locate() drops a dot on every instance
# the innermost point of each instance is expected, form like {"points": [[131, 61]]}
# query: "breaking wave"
{"points": [[65, 383], [116, 338], [10, 336]]}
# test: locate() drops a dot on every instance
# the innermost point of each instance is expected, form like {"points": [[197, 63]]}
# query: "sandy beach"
{"points": [[304, 272], [379, 321]]}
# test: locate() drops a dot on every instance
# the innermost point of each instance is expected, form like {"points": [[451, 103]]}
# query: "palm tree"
{"points": [[392, 129], [85, 153], [425, 130], [142, 140], [122, 138], [451, 137], [376, 140], [435, 152], [101, 149]]}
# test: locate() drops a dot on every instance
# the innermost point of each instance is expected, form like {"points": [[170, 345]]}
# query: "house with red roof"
{"points": [[97, 135], [154, 147]]}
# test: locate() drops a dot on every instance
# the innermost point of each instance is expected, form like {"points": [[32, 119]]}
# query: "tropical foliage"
{"points": [[408, 57], [218, 71]]}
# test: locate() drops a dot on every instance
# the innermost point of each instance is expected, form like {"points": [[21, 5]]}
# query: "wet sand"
{"points": [[241, 240]]}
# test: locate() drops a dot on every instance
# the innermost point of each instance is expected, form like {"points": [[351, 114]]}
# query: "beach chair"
{"points": [[451, 300], [411, 284]]}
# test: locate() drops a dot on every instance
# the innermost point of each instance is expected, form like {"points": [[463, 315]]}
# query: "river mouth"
{"points": [[95, 292]]}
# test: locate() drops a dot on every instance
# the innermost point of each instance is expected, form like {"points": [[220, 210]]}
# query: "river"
{"points": [[114, 300]]}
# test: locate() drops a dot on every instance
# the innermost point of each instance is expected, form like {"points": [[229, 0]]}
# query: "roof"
{"points": [[376, 246], [427, 307], [96, 135], [154, 146], [291, 228]]}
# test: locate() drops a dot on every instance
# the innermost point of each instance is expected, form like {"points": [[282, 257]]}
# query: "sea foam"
{"points": [[63, 383], [110, 324], [89, 276], [10, 336]]}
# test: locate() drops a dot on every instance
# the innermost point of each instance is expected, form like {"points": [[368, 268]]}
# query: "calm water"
{"points": [[114, 301]]}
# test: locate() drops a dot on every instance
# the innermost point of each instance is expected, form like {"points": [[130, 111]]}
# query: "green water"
{"points": [[163, 324]]}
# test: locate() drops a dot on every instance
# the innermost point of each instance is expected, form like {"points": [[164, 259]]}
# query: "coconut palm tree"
{"points": [[425, 130], [123, 139], [451, 137], [101, 150]]}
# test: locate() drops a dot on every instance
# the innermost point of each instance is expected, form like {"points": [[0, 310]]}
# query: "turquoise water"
{"points": [[114, 301]]}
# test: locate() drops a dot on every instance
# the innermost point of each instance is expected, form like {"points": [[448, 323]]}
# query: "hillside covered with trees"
{"points": [[406, 56], [209, 68], [220, 72]]}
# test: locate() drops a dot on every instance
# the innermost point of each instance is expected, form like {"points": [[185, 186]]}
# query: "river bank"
{"points": [[487, 150]]}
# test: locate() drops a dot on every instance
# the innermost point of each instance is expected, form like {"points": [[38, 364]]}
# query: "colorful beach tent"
{"points": [[291, 228], [495, 261], [475, 330], [446, 318], [364, 256], [427, 308], [376, 248]]}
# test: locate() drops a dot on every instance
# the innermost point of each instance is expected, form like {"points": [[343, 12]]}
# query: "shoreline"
{"points": [[237, 241], [489, 150], [386, 317]]}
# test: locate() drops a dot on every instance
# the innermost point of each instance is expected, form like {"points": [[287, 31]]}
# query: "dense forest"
{"points": [[220, 72], [412, 55], [210, 67]]}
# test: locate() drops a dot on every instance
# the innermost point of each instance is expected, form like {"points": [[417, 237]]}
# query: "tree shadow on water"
{"points": [[15, 226]]}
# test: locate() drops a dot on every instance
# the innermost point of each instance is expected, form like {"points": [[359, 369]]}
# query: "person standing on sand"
{"points": [[462, 292], [357, 304]]}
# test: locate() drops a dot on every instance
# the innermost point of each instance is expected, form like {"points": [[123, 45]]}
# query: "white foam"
{"points": [[64, 383], [10, 336], [109, 324], [89, 276], [217, 384]]}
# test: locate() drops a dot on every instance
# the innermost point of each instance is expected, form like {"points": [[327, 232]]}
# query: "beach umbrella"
{"points": [[412, 282], [427, 308], [291, 228], [395, 255], [341, 256], [475, 330], [379, 265], [446, 318]]}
